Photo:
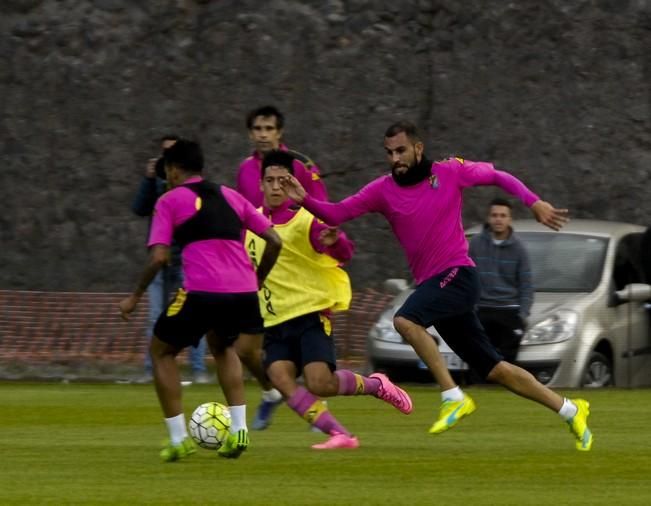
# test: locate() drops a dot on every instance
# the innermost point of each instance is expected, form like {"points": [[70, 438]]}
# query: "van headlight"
{"points": [[558, 327], [385, 331]]}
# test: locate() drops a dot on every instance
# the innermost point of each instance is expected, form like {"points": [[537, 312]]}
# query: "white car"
{"points": [[590, 324]]}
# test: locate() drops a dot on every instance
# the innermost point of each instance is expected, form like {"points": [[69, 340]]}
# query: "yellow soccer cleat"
{"points": [[451, 412], [579, 425], [234, 444], [184, 449]]}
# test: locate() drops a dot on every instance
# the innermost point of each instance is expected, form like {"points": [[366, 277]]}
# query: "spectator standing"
{"points": [[506, 282]]}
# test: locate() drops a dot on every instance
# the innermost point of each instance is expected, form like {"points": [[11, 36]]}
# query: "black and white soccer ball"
{"points": [[209, 425]]}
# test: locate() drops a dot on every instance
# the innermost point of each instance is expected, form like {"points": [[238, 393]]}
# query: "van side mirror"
{"points": [[635, 292], [394, 286]]}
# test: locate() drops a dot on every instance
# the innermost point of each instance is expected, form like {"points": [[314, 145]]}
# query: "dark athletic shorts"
{"points": [[301, 340], [191, 314], [448, 301]]}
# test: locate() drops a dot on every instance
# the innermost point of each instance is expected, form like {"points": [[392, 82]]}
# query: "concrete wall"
{"points": [[556, 92]]}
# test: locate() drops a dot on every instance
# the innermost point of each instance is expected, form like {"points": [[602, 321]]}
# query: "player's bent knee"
{"points": [[402, 325], [160, 349], [281, 380], [250, 356], [321, 386], [500, 373]]}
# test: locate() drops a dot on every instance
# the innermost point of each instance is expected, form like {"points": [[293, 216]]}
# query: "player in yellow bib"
{"points": [[306, 284]]}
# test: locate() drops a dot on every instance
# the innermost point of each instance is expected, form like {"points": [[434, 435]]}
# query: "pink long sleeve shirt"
{"points": [[425, 217]]}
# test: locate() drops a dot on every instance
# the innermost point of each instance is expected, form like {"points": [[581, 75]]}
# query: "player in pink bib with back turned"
{"points": [[219, 295]]}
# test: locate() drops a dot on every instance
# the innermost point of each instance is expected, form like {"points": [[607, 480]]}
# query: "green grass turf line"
{"points": [[98, 444]]}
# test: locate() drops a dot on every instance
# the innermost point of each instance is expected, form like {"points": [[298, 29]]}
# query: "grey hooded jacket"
{"points": [[504, 271]]}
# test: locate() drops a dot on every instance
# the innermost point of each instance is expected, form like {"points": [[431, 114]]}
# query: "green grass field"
{"points": [[98, 444]]}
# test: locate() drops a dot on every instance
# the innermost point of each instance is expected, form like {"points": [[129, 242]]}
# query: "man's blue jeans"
{"points": [[167, 282]]}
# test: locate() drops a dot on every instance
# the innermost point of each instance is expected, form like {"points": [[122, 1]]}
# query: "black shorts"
{"points": [[191, 314], [301, 340], [448, 302]]}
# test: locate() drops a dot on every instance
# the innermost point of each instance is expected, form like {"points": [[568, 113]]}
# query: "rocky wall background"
{"points": [[555, 91]]}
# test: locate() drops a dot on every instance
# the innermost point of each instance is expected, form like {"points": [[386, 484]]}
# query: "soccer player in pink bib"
{"points": [[422, 202]]}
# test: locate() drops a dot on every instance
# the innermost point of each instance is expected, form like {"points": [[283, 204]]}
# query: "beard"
{"points": [[417, 172]]}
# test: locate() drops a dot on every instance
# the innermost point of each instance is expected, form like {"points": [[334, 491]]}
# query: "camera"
{"points": [[160, 168]]}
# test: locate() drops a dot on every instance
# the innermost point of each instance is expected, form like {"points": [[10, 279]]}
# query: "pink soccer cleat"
{"points": [[338, 441], [393, 394]]}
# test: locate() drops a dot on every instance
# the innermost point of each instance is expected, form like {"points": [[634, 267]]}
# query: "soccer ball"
{"points": [[209, 425]]}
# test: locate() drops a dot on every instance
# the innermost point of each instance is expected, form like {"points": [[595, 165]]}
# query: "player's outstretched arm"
{"points": [[331, 241], [548, 215]]}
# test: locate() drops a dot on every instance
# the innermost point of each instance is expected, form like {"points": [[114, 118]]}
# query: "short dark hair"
{"points": [[407, 127], [186, 155], [279, 158], [499, 201], [265, 111]]}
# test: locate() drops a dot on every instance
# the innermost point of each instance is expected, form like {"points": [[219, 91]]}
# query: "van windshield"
{"points": [[565, 262]]}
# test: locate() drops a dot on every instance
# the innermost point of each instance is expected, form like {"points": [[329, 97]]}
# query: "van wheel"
{"points": [[598, 372]]}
